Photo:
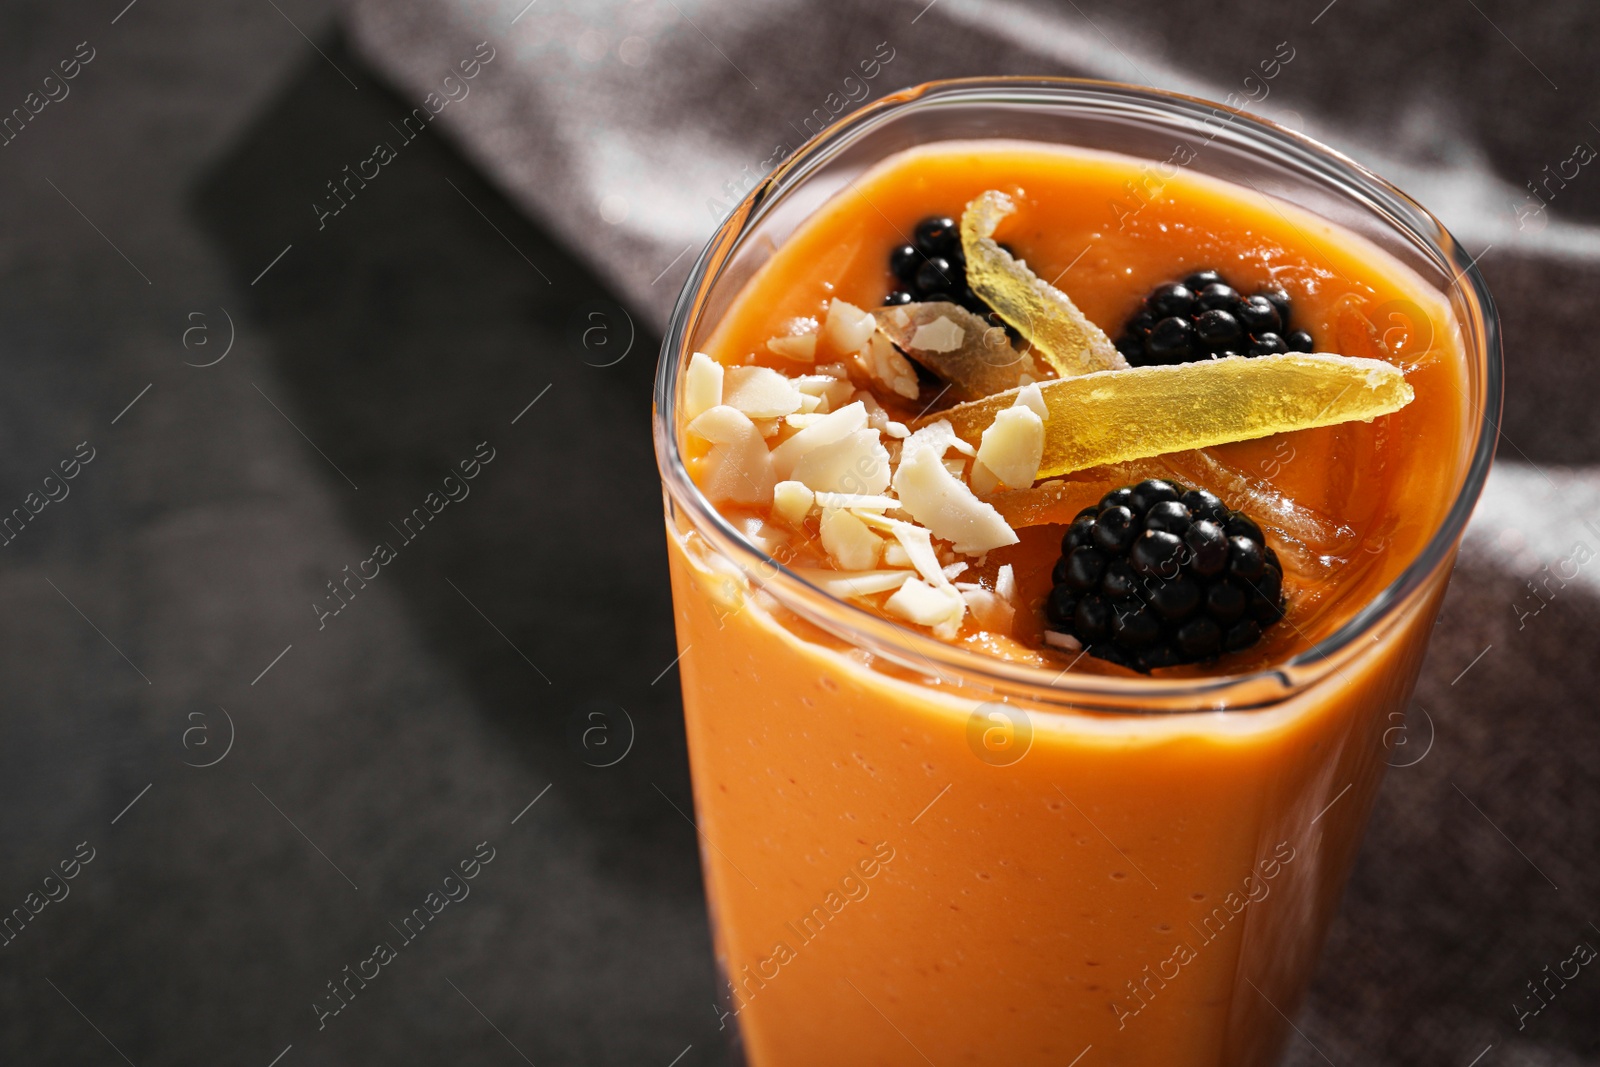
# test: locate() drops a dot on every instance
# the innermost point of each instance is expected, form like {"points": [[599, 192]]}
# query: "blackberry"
{"points": [[1158, 574], [931, 268], [938, 275], [937, 235], [1203, 317]]}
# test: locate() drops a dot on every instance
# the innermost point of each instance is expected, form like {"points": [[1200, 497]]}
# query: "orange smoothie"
{"points": [[911, 864]]}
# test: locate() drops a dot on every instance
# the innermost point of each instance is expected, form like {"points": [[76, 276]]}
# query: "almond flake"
{"points": [[1063, 641], [739, 468], [1032, 397], [853, 583], [857, 463], [722, 425], [812, 384], [702, 386], [763, 534], [830, 428], [938, 435], [847, 327], [792, 501], [946, 506], [983, 480], [1013, 445], [918, 543], [853, 546], [1005, 583], [940, 335], [993, 609], [760, 392], [940, 608], [798, 342], [799, 349], [888, 367]]}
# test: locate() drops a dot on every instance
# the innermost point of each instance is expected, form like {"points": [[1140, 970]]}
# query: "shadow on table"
{"points": [[419, 321]]}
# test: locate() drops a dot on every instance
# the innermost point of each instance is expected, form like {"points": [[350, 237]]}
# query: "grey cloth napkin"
{"points": [[625, 127]]}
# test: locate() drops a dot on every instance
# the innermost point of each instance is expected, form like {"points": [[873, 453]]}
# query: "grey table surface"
{"points": [[266, 791]]}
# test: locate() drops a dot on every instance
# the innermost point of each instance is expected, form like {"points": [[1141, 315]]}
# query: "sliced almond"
{"points": [[738, 469], [915, 541], [792, 501], [856, 463], [854, 583], [798, 342], [1031, 397], [983, 480], [946, 506], [830, 428], [940, 335], [702, 386], [940, 608], [940, 436], [888, 368], [848, 541], [1005, 583], [760, 392], [1013, 445], [847, 328], [990, 611]]}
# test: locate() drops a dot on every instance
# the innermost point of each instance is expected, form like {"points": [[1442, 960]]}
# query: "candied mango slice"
{"points": [[974, 357], [1043, 314], [1115, 416]]}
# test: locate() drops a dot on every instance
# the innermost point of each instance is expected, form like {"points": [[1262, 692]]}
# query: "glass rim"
{"points": [[916, 651]]}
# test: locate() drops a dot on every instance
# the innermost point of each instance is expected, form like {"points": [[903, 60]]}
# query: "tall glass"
{"points": [[917, 854]]}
